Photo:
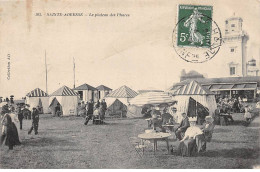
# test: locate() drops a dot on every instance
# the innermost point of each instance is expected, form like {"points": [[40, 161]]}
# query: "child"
{"points": [[247, 115]]}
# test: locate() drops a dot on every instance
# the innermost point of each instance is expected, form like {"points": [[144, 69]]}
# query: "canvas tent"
{"points": [[116, 108], [68, 100], [124, 94], [193, 90], [37, 97], [134, 111]]}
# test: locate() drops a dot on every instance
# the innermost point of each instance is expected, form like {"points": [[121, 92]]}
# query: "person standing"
{"points": [[103, 108], [35, 121], [247, 115], [97, 104], [90, 108], [20, 117], [9, 132]]}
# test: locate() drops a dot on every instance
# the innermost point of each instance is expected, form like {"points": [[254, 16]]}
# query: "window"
{"points": [[80, 95], [232, 50], [233, 25], [232, 70]]}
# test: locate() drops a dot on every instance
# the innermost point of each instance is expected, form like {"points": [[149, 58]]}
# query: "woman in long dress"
{"points": [[16, 122], [9, 132]]}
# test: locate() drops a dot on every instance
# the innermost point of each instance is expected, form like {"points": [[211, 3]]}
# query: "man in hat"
{"points": [[180, 130], [35, 121]]}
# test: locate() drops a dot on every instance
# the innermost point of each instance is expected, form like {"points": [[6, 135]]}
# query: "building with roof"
{"points": [[64, 99], [38, 98], [87, 92], [244, 87], [103, 91]]}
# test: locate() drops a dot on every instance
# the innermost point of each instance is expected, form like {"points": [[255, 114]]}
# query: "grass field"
{"points": [[67, 143]]}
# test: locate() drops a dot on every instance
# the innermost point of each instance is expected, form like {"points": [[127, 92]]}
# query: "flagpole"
{"points": [[46, 74], [74, 71]]}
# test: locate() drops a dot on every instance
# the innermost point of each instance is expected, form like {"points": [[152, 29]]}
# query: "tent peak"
{"points": [[123, 92], [64, 91], [37, 92]]}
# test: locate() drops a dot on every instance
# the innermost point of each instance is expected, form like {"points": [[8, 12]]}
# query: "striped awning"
{"points": [[243, 86], [123, 92], [64, 91], [37, 93], [192, 88], [152, 98]]}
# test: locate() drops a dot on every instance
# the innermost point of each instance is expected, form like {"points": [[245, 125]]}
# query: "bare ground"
{"points": [[67, 143]]}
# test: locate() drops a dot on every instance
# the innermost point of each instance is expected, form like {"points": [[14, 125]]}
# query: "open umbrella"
{"points": [[152, 98]]}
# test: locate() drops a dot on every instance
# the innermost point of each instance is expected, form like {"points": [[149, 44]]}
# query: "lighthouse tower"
{"points": [[235, 40]]}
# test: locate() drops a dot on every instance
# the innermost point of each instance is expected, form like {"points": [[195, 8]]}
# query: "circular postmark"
{"points": [[196, 44]]}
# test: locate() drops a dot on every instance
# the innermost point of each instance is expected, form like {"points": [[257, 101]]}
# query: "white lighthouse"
{"points": [[235, 40]]}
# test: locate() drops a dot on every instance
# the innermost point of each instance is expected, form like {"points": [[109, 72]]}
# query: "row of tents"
{"points": [[189, 98]]}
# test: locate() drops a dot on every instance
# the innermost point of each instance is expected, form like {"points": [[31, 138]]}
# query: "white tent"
{"points": [[195, 91], [37, 97], [134, 111], [116, 107], [68, 100]]}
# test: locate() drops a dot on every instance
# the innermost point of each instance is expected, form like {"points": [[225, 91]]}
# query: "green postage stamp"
{"points": [[196, 36], [194, 28]]}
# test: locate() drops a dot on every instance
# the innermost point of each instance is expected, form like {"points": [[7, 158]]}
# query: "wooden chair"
{"points": [[138, 144]]}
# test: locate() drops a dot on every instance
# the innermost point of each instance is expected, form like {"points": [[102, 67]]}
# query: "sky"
{"points": [[135, 51]]}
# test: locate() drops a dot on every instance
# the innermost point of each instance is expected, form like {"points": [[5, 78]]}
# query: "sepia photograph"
{"points": [[130, 84]]}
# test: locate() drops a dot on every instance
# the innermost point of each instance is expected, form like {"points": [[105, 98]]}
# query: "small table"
{"points": [[155, 137]]}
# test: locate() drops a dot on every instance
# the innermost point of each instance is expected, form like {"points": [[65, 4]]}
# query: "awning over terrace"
{"points": [[222, 87]]}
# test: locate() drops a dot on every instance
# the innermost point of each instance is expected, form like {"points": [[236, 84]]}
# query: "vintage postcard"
{"points": [[130, 84]]}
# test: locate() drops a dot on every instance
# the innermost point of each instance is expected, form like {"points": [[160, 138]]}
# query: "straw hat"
{"points": [[209, 119]]}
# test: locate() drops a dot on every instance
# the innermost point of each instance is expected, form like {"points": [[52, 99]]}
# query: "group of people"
{"points": [[225, 107], [11, 119], [93, 111], [159, 117], [193, 138], [230, 104]]}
